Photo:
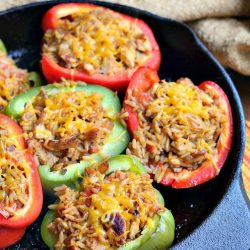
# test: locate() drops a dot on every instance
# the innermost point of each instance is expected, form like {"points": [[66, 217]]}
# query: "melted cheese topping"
{"points": [[107, 213], [186, 105], [176, 100], [65, 114], [13, 80], [99, 41]]}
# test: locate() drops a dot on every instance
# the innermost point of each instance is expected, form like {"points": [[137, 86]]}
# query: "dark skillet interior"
{"points": [[182, 55]]}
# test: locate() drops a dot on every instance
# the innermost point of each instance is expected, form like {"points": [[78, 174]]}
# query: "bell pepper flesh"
{"points": [[161, 229], [144, 79], [35, 79], [158, 240], [28, 214], [10, 236], [114, 144], [2, 47], [54, 72]]}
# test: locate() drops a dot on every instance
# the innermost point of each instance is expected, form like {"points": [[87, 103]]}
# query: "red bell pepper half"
{"points": [[21, 216], [53, 72], [10, 236], [142, 80]]}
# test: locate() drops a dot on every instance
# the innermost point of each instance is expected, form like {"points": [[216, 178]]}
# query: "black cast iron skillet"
{"points": [[211, 216]]}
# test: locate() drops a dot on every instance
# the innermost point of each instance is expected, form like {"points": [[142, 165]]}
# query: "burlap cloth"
{"points": [[214, 21]]}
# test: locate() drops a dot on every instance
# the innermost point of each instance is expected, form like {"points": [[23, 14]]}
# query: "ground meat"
{"points": [[44, 156]]}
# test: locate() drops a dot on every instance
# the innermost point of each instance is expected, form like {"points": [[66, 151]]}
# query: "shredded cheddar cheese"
{"points": [[106, 213], [98, 41], [67, 114]]}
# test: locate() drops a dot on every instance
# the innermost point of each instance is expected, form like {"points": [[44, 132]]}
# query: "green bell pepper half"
{"points": [[158, 233], [114, 144], [2, 47]]}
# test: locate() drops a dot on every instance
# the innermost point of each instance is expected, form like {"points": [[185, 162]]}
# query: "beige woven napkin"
{"points": [[214, 21]]}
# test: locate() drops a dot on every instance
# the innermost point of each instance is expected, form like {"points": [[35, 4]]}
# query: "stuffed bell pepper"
{"points": [[20, 187], [181, 132], [69, 126], [114, 207], [13, 80], [95, 44]]}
